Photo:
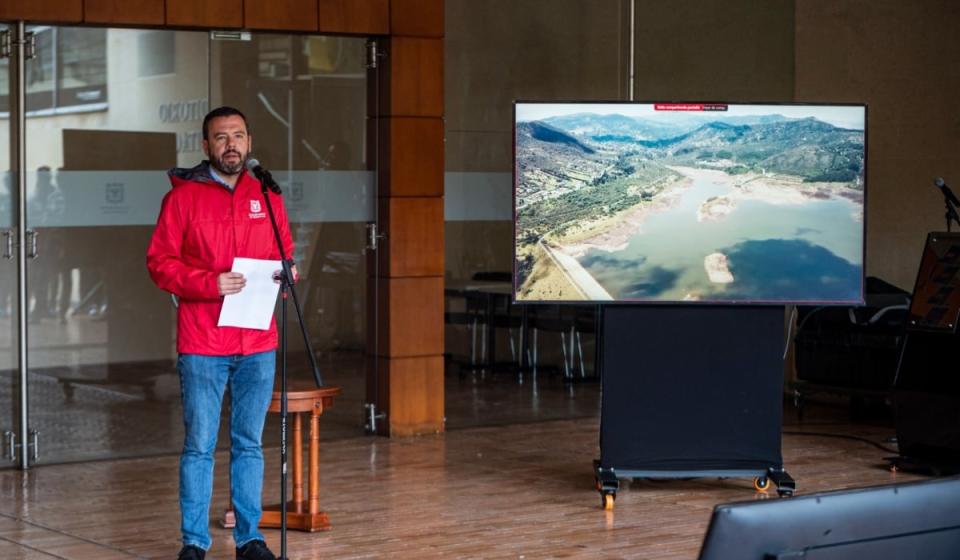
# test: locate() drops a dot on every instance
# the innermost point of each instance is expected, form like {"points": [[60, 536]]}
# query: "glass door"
{"points": [[9, 341], [305, 98], [108, 112]]}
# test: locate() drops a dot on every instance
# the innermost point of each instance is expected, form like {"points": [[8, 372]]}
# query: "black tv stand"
{"points": [[690, 392]]}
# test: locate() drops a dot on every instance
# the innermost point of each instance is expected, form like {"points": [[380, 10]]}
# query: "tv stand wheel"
{"points": [[761, 483], [785, 492], [607, 499]]}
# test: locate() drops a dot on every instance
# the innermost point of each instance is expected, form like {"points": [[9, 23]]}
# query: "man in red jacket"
{"points": [[214, 213]]}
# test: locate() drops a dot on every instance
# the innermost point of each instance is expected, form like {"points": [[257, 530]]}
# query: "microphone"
{"points": [[947, 193], [265, 177]]}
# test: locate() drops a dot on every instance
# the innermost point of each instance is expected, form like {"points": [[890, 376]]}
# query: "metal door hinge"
{"points": [[29, 45], [10, 241], [373, 53], [230, 35], [11, 446], [33, 250], [373, 238], [34, 446], [372, 417], [7, 43]]}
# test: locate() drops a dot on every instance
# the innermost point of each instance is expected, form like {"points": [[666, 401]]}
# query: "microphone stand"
{"points": [[951, 214], [286, 286], [950, 202]]}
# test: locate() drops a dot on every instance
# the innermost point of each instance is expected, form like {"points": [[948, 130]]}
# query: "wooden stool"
{"points": [[302, 515]]}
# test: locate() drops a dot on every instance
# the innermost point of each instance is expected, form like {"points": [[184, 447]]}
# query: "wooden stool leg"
{"points": [[314, 507], [297, 463]]}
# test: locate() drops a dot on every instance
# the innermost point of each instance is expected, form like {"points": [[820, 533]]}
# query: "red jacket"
{"points": [[202, 226]]}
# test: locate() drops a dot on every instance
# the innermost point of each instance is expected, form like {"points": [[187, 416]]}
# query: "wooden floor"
{"points": [[511, 491]]}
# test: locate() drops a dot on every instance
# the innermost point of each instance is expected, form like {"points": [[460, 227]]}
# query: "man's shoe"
{"points": [[255, 550], [191, 552]]}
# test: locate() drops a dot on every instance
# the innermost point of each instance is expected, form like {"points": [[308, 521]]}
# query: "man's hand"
{"points": [[230, 283]]}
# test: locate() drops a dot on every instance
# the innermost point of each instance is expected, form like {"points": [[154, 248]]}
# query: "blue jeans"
{"points": [[202, 382]]}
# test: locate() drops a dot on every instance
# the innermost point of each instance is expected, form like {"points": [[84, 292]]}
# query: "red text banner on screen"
{"points": [[689, 107]]}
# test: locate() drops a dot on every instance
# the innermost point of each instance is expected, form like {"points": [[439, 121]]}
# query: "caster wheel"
{"points": [[607, 501], [785, 493], [761, 483]]}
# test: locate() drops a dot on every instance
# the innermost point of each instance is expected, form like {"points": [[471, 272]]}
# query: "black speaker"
{"points": [[912, 520], [926, 390]]}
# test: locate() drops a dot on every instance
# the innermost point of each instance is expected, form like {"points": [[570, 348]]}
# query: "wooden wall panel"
{"points": [[362, 17], [418, 18], [124, 12], [215, 14], [285, 15], [884, 53], [412, 156], [415, 80], [735, 50], [413, 305], [414, 246], [416, 395], [47, 11]]}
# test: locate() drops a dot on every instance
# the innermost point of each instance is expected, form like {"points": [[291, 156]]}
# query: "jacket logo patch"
{"points": [[256, 210]]}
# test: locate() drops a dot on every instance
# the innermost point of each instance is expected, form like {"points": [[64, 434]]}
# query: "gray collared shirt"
{"points": [[219, 179]]}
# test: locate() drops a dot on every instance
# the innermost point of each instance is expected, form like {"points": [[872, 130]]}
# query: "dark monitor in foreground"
{"points": [[912, 520], [689, 202]]}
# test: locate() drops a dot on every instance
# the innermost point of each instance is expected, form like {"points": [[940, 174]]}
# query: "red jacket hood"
{"points": [[200, 173]]}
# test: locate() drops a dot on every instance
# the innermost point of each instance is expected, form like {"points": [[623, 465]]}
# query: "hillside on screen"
{"points": [[689, 202]]}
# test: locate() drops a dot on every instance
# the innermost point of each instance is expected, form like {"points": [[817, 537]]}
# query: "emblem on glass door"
{"points": [[114, 193]]}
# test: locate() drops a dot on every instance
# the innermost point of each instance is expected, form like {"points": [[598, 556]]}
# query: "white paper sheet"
{"points": [[252, 307]]}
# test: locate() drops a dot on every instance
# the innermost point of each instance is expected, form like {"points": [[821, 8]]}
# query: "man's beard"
{"points": [[228, 168]]}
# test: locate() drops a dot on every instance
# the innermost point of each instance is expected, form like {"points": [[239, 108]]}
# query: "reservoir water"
{"points": [[776, 251]]}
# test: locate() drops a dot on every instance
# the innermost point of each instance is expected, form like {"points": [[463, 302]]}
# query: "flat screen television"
{"points": [[709, 203], [892, 522]]}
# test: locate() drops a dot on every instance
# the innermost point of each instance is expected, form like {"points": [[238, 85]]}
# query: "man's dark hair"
{"points": [[222, 112]]}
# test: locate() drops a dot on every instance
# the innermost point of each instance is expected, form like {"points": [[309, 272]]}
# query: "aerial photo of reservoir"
{"points": [[689, 202]]}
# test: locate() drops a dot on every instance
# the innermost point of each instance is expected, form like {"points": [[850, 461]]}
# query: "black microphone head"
{"points": [[939, 182], [252, 164]]}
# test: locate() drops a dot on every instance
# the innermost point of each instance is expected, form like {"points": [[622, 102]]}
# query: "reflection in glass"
{"points": [[82, 66], [39, 74], [67, 74], [4, 87]]}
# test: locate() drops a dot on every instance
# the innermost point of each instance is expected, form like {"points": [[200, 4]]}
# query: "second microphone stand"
{"points": [[286, 287], [951, 214]]}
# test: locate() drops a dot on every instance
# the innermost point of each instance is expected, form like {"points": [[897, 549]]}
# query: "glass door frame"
{"points": [[20, 443]]}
